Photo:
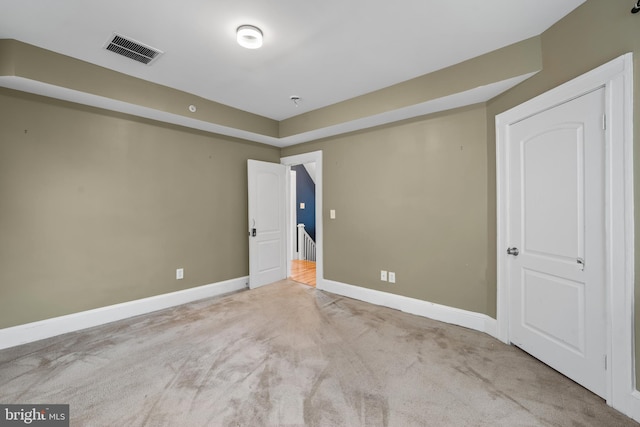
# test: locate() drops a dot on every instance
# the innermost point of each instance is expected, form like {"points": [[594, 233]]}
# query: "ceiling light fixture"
{"points": [[249, 36]]}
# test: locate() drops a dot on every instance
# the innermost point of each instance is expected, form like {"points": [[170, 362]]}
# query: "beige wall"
{"points": [[410, 198], [99, 208]]}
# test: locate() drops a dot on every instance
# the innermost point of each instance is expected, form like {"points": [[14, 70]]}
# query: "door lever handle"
{"points": [[513, 251]]}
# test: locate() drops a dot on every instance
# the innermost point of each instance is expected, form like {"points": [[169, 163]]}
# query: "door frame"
{"points": [[616, 77], [300, 159], [293, 217]]}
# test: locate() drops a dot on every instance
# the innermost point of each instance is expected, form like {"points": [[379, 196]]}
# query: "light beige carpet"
{"points": [[287, 354]]}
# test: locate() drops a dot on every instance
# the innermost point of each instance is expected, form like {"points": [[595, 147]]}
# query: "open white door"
{"points": [[267, 233]]}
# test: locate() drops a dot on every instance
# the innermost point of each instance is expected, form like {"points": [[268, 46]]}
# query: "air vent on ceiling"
{"points": [[132, 49]]}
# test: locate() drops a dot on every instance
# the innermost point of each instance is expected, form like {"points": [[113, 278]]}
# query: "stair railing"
{"points": [[306, 245]]}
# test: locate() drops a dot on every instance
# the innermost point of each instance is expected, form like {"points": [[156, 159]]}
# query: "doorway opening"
{"points": [[295, 265], [303, 220]]}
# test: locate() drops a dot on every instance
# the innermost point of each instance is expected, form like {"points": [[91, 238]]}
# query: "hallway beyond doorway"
{"points": [[303, 271]]}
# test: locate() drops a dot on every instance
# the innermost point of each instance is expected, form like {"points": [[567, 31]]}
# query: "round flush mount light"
{"points": [[249, 36]]}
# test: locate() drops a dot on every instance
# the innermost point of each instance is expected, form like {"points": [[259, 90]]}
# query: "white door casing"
{"points": [[293, 219], [616, 80], [556, 223], [267, 233], [299, 159]]}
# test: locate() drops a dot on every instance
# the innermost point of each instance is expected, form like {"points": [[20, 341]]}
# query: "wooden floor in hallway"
{"points": [[303, 271]]}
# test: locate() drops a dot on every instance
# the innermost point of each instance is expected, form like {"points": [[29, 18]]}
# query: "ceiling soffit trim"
{"points": [[40, 65], [509, 62], [31, 69]]}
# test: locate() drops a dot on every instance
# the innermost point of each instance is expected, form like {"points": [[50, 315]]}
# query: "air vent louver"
{"points": [[132, 49]]}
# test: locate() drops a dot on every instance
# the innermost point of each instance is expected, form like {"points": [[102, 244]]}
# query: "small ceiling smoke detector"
{"points": [[132, 49], [249, 36]]}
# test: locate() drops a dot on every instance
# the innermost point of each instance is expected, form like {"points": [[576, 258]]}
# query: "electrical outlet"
{"points": [[179, 273], [383, 275], [392, 277]]}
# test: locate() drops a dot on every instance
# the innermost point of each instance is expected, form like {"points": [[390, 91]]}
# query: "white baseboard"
{"points": [[22, 334], [631, 406], [442, 313]]}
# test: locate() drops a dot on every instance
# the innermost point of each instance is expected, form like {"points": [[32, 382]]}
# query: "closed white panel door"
{"points": [[267, 233], [556, 238]]}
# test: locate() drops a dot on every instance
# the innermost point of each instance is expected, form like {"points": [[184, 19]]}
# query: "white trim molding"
{"points": [[35, 331], [616, 77], [455, 316]]}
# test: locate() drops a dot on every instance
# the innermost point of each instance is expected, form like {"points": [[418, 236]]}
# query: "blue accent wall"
{"points": [[305, 193]]}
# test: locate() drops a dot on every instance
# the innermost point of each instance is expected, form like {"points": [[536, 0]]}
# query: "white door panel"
{"points": [[267, 183], [563, 319], [556, 220], [553, 191], [267, 250], [269, 255]]}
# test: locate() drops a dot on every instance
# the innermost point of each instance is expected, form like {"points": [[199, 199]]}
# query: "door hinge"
{"points": [[604, 122], [605, 362]]}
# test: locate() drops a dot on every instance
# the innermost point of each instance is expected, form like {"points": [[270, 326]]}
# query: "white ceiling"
{"points": [[324, 51]]}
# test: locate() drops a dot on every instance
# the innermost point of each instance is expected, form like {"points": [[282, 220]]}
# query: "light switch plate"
{"points": [[392, 277], [332, 214], [383, 275], [301, 205], [179, 273]]}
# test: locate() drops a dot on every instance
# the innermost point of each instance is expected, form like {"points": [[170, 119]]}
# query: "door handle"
{"points": [[513, 251], [254, 232]]}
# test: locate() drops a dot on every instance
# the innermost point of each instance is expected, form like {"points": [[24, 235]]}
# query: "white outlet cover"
{"points": [[180, 273], [332, 214], [392, 277], [383, 275]]}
